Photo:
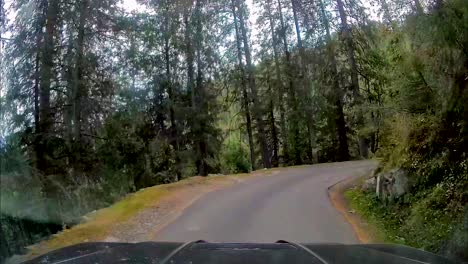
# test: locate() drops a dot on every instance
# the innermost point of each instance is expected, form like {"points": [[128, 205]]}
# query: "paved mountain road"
{"points": [[291, 205]]}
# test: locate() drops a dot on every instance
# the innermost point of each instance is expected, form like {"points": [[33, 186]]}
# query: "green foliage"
{"points": [[424, 130], [385, 221], [427, 131], [424, 223], [132, 150], [235, 157], [428, 222]]}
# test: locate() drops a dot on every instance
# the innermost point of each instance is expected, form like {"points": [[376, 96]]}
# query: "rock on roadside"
{"points": [[392, 185], [389, 185], [369, 184]]}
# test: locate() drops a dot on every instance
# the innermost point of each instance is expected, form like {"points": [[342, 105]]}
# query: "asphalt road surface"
{"points": [[292, 205]]}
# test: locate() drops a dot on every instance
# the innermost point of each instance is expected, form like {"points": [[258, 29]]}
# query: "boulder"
{"points": [[369, 185], [400, 185], [392, 185]]}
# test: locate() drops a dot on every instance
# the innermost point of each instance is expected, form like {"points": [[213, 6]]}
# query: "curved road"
{"points": [[291, 205]]}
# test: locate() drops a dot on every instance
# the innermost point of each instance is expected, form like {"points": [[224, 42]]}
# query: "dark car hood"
{"points": [[229, 253]]}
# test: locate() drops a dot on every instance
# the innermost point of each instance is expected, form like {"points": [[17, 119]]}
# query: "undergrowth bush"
{"points": [[420, 224], [235, 157]]}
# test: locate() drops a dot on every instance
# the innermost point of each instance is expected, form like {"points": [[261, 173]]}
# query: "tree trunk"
{"points": [[192, 88], [274, 134], [300, 46], [68, 113], [305, 81], [293, 119], [78, 89], [46, 73], [310, 149], [363, 146], [418, 7], [343, 151], [200, 98], [281, 91], [386, 12], [245, 95], [174, 139], [248, 120], [37, 125], [190, 58], [299, 41], [51, 11], [36, 92], [296, 24], [253, 88], [350, 49]]}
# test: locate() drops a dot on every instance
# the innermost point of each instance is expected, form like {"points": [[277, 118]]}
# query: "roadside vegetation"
{"points": [[99, 100], [424, 137], [430, 229]]}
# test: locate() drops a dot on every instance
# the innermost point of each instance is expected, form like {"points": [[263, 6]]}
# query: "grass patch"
{"points": [[417, 223], [99, 224], [367, 206]]}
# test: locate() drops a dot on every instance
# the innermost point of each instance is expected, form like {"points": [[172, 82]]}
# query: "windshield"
{"points": [[312, 121]]}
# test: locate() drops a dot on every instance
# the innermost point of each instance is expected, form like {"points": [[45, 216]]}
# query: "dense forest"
{"points": [[98, 101]]}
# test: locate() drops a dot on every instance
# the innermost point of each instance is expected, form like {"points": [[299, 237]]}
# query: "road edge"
{"points": [[341, 204]]}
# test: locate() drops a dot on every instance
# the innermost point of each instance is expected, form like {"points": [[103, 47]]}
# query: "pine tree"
{"points": [[245, 95], [252, 85], [337, 95]]}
